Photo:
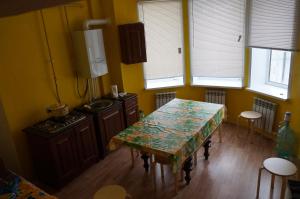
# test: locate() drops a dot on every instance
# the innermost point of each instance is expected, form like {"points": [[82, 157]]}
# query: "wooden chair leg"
{"points": [[181, 175], [132, 158], [153, 171], [162, 172], [258, 182], [195, 158], [238, 126], [283, 187], [272, 181], [220, 133], [176, 182]]}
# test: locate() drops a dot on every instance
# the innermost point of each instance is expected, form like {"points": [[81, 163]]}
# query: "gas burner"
{"points": [[55, 125]]}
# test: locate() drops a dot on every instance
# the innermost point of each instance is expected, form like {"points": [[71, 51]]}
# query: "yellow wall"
{"points": [[26, 84]]}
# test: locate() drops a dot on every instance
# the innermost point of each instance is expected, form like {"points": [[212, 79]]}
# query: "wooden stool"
{"points": [[251, 116], [111, 192], [277, 167]]}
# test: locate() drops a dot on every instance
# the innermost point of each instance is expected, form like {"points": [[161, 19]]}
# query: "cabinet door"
{"points": [[112, 122], [86, 141], [65, 155], [132, 115], [132, 41]]}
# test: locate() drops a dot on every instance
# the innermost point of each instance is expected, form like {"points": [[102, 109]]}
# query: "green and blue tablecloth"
{"points": [[175, 130]]}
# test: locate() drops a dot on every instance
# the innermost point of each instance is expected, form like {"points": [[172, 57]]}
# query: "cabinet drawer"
{"points": [[131, 102]]}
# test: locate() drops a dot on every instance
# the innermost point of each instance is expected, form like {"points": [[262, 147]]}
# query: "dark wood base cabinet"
{"points": [[60, 157], [108, 123]]}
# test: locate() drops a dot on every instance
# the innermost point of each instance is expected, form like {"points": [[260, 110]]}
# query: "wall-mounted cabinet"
{"points": [[132, 42]]}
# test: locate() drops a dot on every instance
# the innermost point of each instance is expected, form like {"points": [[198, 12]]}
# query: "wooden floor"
{"points": [[231, 172]]}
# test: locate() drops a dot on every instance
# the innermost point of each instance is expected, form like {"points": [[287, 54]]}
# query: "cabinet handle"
{"points": [[132, 112], [84, 129]]}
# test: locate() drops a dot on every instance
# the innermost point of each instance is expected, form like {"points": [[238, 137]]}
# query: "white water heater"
{"points": [[90, 53]]}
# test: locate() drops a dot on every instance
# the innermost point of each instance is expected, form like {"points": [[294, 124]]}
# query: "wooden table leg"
{"points": [[187, 167], [206, 148], [145, 157], [258, 182], [272, 181], [283, 187]]}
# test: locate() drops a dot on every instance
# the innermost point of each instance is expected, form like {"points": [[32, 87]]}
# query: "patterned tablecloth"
{"points": [[175, 130]]}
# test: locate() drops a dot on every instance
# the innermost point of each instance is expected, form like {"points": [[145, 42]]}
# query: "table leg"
{"points": [[145, 157], [206, 147], [187, 167], [283, 187]]}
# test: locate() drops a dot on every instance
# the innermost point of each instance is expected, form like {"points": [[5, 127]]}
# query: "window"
{"points": [[273, 31], [164, 43], [217, 42], [270, 71]]}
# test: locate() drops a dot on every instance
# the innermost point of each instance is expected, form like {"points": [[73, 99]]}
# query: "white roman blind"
{"points": [[164, 42], [274, 24], [217, 42]]}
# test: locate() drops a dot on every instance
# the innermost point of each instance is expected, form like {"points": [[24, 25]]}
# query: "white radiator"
{"points": [[163, 98], [215, 96], [268, 111]]}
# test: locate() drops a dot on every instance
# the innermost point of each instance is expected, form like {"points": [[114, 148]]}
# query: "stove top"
{"points": [[55, 125]]}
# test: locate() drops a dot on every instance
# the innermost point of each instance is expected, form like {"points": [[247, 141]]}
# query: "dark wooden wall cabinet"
{"points": [[132, 42], [60, 157]]}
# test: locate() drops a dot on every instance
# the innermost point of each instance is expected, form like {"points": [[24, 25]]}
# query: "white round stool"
{"points": [[251, 116], [277, 167], [111, 192]]}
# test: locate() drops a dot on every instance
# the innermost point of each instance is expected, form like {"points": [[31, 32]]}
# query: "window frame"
{"points": [[182, 51], [276, 84], [288, 88]]}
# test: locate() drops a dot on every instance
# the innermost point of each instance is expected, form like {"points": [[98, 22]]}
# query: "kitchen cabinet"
{"points": [[61, 156], [132, 43]]}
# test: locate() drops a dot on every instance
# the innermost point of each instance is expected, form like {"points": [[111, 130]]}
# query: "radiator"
{"points": [[268, 111], [215, 96], [163, 98]]}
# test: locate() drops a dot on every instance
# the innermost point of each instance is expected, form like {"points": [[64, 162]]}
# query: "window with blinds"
{"points": [[164, 43], [274, 24], [217, 42]]}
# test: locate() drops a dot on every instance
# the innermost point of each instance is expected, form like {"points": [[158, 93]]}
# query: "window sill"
{"points": [[233, 83], [164, 87], [270, 91]]}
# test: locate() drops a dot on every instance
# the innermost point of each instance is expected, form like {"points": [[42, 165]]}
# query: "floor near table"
{"points": [[231, 172]]}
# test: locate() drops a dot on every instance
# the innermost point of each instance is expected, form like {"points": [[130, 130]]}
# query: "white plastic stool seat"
{"points": [[277, 167], [280, 166], [252, 115]]}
